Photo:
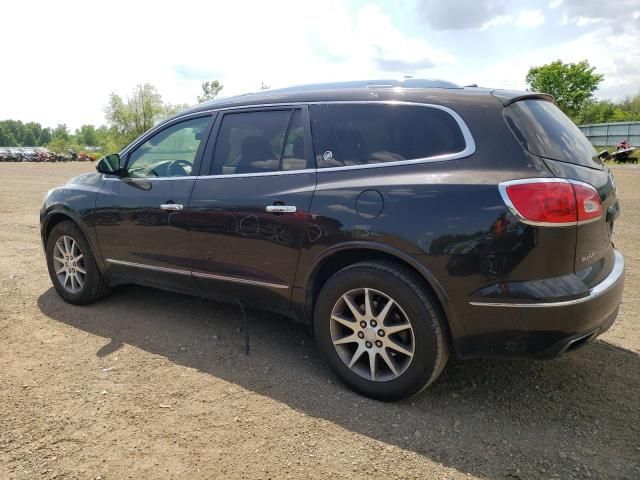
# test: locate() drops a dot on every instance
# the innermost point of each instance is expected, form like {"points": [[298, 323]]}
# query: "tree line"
{"points": [[126, 119]]}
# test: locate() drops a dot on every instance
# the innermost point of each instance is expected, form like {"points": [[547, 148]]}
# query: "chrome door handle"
{"points": [[176, 207], [281, 209]]}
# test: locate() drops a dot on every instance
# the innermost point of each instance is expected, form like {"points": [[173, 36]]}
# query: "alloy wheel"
{"points": [[68, 262], [367, 321]]}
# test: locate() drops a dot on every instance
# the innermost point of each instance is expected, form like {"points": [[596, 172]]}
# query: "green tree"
{"points": [[86, 136], [61, 132], [210, 90], [142, 110], [17, 130], [6, 137], [601, 111], [631, 105], [170, 110], [29, 139], [45, 136], [572, 84], [36, 128]]}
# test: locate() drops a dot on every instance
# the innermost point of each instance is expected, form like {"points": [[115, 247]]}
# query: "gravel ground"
{"points": [[147, 384]]}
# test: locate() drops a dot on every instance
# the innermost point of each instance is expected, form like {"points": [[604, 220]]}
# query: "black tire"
{"points": [[95, 285], [430, 344]]}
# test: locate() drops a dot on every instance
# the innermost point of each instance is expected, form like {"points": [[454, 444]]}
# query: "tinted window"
{"points": [[325, 144], [254, 142], [170, 152], [379, 133], [544, 130], [294, 154]]}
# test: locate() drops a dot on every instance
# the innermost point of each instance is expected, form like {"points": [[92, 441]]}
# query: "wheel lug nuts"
{"points": [[373, 323], [360, 335], [369, 344], [378, 344], [363, 324], [381, 333]]}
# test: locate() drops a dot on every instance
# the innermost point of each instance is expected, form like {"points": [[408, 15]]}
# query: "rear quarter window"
{"points": [[545, 131], [363, 134]]}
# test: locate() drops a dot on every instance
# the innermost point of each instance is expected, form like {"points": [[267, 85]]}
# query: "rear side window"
{"points": [[545, 131], [362, 134], [325, 144], [294, 155], [260, 142]]}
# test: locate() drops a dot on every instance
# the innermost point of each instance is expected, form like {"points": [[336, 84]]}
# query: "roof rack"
{"points": [[385, 83]]}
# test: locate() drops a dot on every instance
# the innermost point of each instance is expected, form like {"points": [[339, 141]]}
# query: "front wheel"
{"points": [[72, 265], [380, 330]]}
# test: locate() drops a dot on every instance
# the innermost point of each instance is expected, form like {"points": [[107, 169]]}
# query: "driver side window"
{"points": [[170, 152]]}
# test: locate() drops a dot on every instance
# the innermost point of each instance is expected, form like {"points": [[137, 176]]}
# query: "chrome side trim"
{"points": [[195, 274], [436, 158], [155, 268], [258, 174], [212, 276], [595, 292], [145, 179], [502, 187]]}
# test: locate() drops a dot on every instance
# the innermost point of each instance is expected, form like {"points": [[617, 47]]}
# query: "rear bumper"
{"points": [[543, 329]]}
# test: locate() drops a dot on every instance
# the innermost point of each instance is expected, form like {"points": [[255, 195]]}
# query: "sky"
{"points": [[61, 59]]}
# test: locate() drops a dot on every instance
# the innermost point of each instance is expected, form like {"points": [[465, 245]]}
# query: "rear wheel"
{"points": [[380, 330], [72, 265]]}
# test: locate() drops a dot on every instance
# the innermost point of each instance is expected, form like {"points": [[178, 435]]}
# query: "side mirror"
{"points": [[109, 164]]}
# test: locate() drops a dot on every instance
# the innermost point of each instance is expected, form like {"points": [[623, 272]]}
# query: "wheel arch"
{"points": [[56, 216], [337, 258]]}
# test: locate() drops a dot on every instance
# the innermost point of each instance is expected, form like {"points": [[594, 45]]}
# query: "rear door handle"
{"points": [[281, 209], [176, 207]]}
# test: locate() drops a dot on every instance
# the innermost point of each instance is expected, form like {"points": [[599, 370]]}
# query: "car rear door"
{"points": [[249, 213], [141, 217]]}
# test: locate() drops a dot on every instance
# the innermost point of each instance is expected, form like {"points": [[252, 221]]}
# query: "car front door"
{"points": [[249, 213], [141, 217]]}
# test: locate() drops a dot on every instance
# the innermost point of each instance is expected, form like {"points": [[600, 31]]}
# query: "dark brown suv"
{"points": [[404, 220]]}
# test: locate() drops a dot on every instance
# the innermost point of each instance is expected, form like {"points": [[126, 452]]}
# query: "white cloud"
{"points": [[585, 12], [529, 18], [584, 21], [460, 14], [68, 58], [499, 20], [376, 39], [63, 62], [523, 19], [617, 57]]}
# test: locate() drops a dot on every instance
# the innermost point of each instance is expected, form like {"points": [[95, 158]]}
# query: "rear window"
{"points": [[545, 131], [361, 134]]}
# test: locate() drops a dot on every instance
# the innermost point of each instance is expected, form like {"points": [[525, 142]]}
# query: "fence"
{"points": [[608, 134]]}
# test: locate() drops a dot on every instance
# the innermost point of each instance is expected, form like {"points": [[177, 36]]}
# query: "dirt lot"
{"points": [[147, 384]]}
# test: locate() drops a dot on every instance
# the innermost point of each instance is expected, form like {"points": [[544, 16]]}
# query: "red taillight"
{"points": [[551, 201], [588, 201]]}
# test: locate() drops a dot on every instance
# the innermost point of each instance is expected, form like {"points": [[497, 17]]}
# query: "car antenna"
{"points": [[246, 326]]}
